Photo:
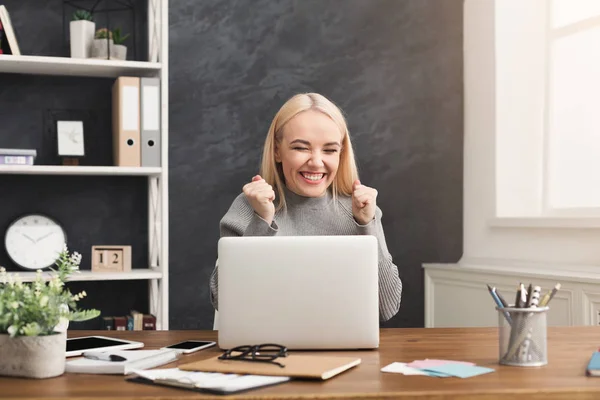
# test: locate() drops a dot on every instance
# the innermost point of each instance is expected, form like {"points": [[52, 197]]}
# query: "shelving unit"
{"points": [[77, 170], [157, 272], [66, 66], [135, 274]]}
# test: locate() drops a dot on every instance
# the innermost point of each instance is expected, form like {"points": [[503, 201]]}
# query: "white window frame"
{"points": [[553, 34]]}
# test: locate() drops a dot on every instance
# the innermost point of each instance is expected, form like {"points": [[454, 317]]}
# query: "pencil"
{"points": [[556, 289]]}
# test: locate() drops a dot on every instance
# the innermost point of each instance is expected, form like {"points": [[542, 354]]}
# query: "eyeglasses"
{"points": [[267, 352]]}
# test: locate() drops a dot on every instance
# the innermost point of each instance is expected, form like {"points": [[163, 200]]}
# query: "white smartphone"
{"points": [[190, 346]]}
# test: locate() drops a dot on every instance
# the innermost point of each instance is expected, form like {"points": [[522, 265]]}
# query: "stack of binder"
{"points": [[136, 122]]}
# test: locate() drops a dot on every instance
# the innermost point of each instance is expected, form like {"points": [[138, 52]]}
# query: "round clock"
{"points": [[34, 241]]}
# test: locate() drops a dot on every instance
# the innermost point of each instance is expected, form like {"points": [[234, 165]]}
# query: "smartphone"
{"points": [[190, 346]]}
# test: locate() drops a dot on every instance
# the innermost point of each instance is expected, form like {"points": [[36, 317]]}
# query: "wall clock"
{"points": [[34, 241]]}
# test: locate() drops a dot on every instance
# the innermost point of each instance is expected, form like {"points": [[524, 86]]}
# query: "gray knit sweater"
{"points": [[315, 216]]}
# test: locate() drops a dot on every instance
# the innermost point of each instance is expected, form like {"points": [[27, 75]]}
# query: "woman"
{"points": [[308, 185]]}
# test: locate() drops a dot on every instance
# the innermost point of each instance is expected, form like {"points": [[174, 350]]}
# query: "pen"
{"points": [[529, 293], [521, 296], [550, 295], [504, 303], [499, 302], [104, 357], [518, 298], [534, 298], [545, 299]]}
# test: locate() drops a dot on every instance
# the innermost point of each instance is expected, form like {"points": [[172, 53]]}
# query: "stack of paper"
{"points": [[211, 382], [438, 368], [134, 360]]}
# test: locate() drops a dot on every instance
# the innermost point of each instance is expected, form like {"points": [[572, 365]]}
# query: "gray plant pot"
{"points": [[100, 48], [118, 52], [33, 356]]}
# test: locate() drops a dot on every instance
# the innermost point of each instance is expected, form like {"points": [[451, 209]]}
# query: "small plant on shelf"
{"points": [[117, 37], [119, 50], [83, 15], [103, 43], [104, 33], [82, 28]]}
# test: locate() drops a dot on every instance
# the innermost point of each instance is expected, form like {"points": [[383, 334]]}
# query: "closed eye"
{"points": [[300, 148], [331, 151]]}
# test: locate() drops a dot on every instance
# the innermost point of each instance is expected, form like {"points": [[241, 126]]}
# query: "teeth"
{"points": [[312, 177]]}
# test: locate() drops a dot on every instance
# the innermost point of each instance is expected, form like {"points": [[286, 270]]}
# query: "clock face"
{"points": [[34, 241]]}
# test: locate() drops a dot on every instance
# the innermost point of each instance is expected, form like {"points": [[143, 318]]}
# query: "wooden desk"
{"points": [[564, 377]]}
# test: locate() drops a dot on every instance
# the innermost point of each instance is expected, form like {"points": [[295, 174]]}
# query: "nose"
{"points": [[316, 160]]}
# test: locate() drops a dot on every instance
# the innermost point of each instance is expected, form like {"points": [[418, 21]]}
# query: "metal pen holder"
{"points": [[523, 336]]}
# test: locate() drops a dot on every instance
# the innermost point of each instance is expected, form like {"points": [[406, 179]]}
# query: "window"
{"points": [[547, 142], [572, 123]]}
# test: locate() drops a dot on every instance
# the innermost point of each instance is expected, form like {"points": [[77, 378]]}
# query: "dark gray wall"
{"points": [[393, 66]]}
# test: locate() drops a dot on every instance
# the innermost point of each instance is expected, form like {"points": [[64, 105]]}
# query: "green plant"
{"points": [[103, 33], [82, 15], [35, 309], [117, 38]]}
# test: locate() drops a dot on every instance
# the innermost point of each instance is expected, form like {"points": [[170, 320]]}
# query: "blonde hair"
{"points": [[272, 172]]}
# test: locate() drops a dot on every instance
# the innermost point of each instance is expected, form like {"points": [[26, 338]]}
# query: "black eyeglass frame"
{"points": [[252, 353]]}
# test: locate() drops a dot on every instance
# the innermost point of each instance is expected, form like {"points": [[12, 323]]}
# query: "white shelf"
{"points": [[77, 170], [41, 65], [135, 274]]}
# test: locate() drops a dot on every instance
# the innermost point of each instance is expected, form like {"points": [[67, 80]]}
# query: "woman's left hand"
{"points": [[363, 203]]}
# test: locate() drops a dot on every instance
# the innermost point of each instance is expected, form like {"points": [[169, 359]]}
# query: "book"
{"points": [[17, 156], [135, 360], [16, 160], [296, 366], [593, 367], [209, 382], [108, 323], [149, 322]]}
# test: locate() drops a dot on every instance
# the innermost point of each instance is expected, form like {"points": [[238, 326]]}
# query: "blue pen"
{"points": [[499, 303]]}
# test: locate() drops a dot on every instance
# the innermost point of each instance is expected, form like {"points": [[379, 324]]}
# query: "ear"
{"points": [[277, 153]]}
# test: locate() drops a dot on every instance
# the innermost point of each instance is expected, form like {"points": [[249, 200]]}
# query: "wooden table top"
{"points": [[569, 350]]}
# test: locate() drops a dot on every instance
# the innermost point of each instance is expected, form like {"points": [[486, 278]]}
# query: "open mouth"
{"points": [[312, 177]]}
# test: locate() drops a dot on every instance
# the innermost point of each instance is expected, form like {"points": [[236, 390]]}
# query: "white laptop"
{"points": [[302, 292]]}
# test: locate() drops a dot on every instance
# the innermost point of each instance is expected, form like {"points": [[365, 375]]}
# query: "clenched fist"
{"points": [[261, 196], [363, 203]]}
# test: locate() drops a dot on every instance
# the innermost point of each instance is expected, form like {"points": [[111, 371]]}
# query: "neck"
{"points": [[293, 198]]}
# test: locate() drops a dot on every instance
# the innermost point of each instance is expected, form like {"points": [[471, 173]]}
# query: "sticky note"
{"points": [[401, 368], [434, 363], [459, 370]]}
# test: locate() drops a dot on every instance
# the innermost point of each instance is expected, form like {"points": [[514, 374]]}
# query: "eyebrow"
{"points": [[306, 142]]}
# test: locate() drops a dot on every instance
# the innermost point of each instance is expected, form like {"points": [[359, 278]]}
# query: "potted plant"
{"points": [[30, 345], [102, 43], [119, 50], [82, 29]]}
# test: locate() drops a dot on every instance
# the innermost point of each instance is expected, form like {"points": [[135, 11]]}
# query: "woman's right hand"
{"points": [[261, 195]]}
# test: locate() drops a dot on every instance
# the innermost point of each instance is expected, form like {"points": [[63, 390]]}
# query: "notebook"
{"points": [[297, 366], [209, 382], [593, 368], [136, 360]]}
